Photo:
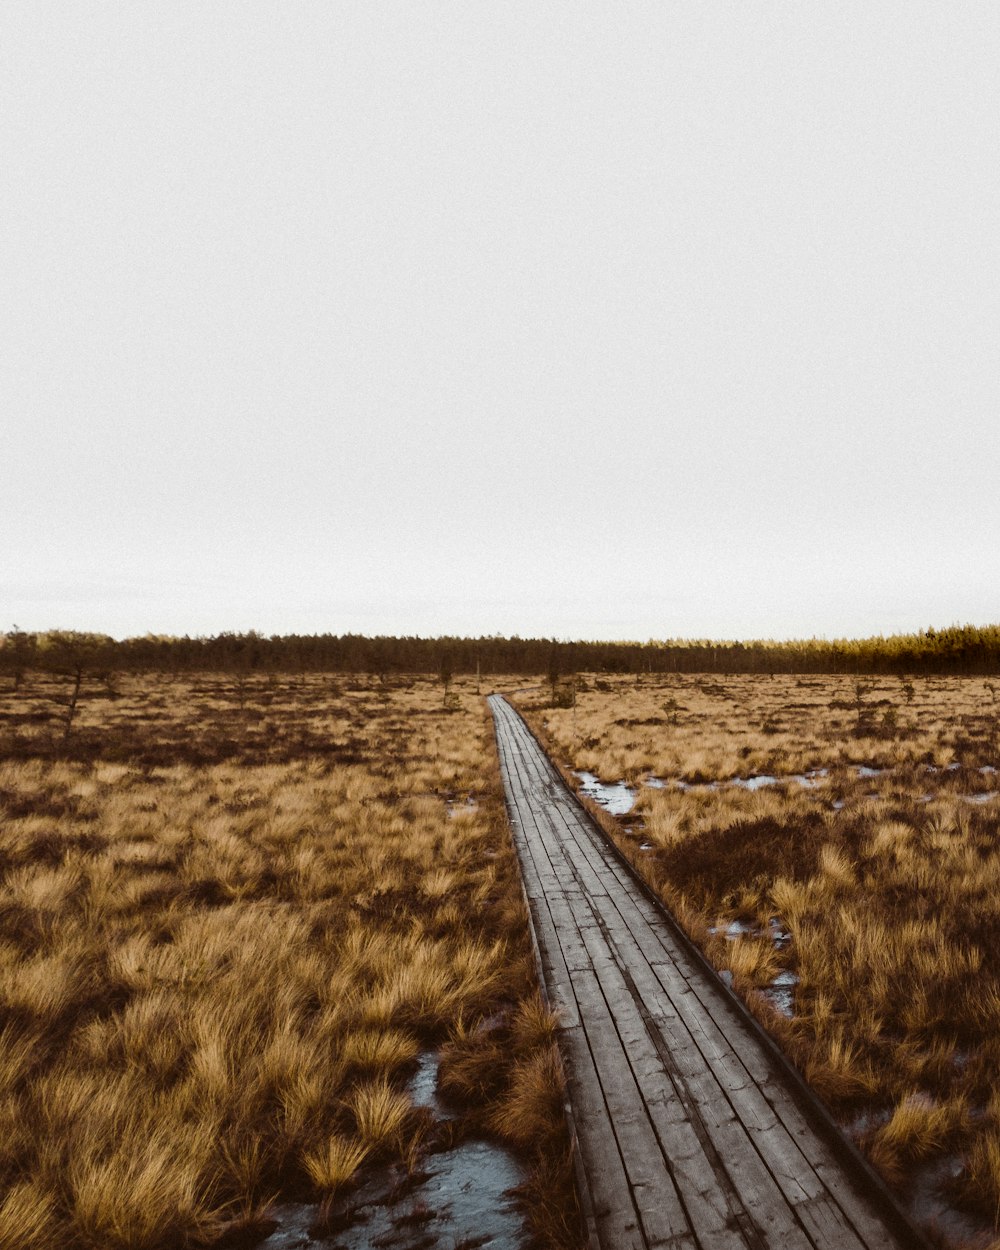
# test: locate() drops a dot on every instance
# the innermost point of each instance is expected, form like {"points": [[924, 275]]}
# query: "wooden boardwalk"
{"points": [[691, 1133]]}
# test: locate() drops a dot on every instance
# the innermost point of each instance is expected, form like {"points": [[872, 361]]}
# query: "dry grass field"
{"points": [[849, 884], [232, 914]]}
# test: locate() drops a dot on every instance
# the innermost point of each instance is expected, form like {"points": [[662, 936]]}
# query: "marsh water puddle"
{"points": [[618, 797], [423, 1086], [460, 1198], [930, 1208], [781, 993], [615, 797], [457, 806], [758, 781], [978, 799], [736, 929], [733, 929]]}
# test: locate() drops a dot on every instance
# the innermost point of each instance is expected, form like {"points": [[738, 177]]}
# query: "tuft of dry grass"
{"points": [[920, 1127], [335, 1163], [380, 1113], [838, 1072], [534, 1100], [378, 1050], [982, 1178], [752, 961], [28, 1219]]}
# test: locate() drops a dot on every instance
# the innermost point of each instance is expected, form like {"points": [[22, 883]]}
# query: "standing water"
{"points": [[459, 1198]]}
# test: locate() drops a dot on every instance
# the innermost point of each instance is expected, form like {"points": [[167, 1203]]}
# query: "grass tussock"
{"points": [[229, 923], [982, 1179], [522, 1103], [534, 1100], [335, 1162], [868, 866], [379, 1112], [919, 1128]]}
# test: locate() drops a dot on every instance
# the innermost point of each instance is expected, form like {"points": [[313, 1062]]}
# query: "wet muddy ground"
{"points": [[458, 1199], [780, 993]]}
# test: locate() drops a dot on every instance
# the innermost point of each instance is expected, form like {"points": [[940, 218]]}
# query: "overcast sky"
{"points": [[585, 320]]}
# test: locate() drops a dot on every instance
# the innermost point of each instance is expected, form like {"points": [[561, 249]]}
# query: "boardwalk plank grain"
{"points": [[691, 1133]]}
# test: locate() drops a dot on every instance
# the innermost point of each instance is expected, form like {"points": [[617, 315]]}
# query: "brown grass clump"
{"points": [[522, 1103], [838, 1072], [375, 1050], [982, 1180], [919, 1128], [149, 1197], [752, 961], [28, 1218], [534, 1100], [380, 1113], [335, 1163], [229, 922], [869, 867]]}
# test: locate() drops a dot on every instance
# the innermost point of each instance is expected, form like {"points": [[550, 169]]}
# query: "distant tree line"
{"points": [[958, 649]]}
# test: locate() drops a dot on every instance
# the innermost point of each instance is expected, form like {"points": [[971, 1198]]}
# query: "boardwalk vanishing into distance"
{"points": [[691, 1132]]}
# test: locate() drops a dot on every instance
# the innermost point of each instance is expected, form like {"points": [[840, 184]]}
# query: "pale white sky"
{"points": [[586, 320]]}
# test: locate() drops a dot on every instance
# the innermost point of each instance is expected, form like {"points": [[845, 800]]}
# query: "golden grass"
{"points": [[983, 1172], [700, 728], [534, 1101], [752, 961], [888, 885], [335, 1163], [28, 1218], [229, 922], [380, 1113], [919, 1128], [378, 1050]]}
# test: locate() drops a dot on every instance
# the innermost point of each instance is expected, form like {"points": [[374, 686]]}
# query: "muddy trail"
{"points": [[692, 1131]]}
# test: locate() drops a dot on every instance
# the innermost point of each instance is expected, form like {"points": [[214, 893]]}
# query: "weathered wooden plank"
{"points": [[740, 1170], [559, 984], [700, 1171], [547, 888], [611, 1197], [827, 1225], [661, 1211]]}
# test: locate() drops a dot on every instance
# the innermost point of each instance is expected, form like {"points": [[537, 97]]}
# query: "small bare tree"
{"points": [[74, 656], [864, 713], [446, 674]]}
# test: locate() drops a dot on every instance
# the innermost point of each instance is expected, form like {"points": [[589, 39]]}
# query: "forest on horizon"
{"points": [[958, 649]]}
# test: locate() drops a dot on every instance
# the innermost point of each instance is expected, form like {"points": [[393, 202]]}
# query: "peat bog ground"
{"points": [[265, 972], [832, 845]]}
